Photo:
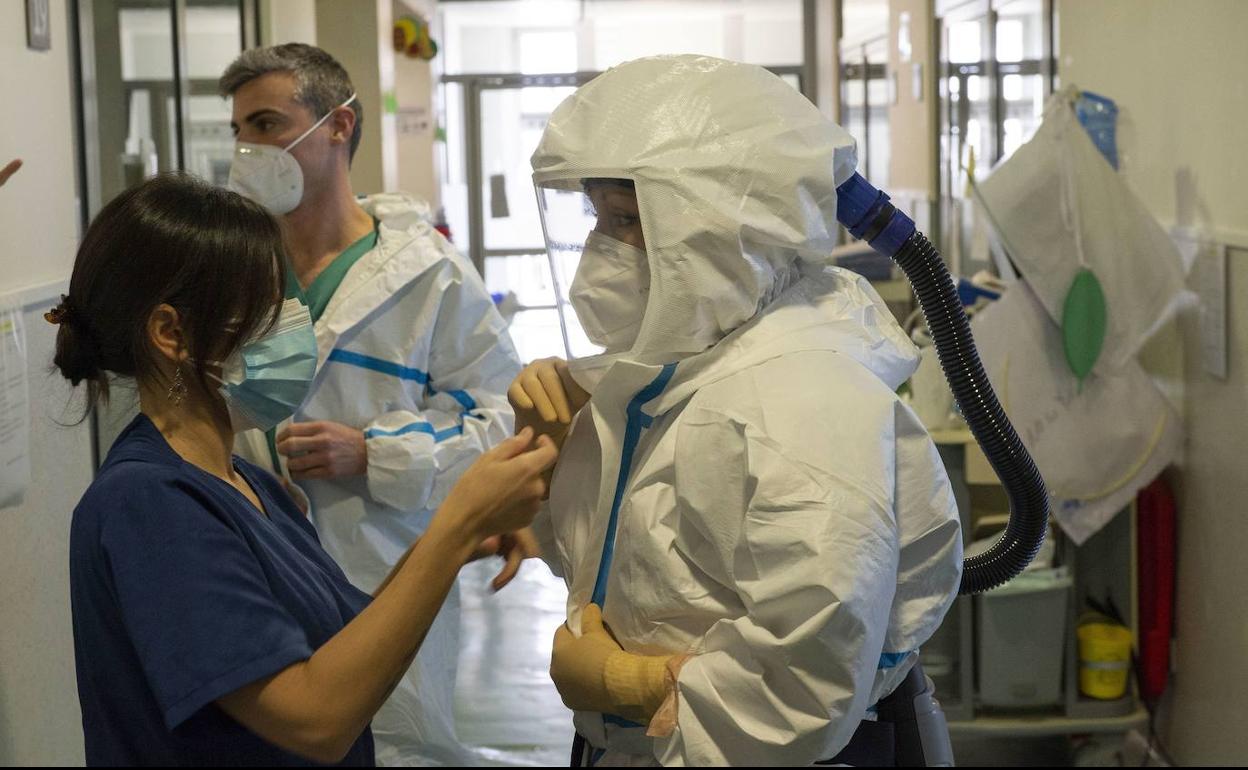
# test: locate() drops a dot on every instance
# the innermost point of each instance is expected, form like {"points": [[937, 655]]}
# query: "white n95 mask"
{"points": [[268, 378], [609, 291], [270, 175]]}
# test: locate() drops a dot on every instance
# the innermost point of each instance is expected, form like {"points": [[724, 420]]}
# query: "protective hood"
{"points": [[398, 210], [735, 174]]}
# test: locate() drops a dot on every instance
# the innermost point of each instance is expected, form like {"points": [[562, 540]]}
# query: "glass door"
{"points": [[149, 105], [865, 98], [1025, 70], [504, 120], [149, 88]]}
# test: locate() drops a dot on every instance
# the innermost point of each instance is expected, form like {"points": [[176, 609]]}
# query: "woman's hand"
{"points": [[500, 493], [514, 547]]}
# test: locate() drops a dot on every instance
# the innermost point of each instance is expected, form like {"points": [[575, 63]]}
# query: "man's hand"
{"points": [[323, 450]]}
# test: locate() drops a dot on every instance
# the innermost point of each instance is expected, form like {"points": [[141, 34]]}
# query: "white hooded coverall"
{"points": [[744, 480], [413, 352]]}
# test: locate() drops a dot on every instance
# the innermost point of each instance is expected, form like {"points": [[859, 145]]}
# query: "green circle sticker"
{"points": [[1084, 320]]}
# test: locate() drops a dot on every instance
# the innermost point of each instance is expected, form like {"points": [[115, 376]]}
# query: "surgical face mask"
{"points": [[610, 290], [268, 378], [270, 175]]}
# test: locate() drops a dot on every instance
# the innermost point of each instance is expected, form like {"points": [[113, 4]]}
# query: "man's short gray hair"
{"points": [[321, 83]]}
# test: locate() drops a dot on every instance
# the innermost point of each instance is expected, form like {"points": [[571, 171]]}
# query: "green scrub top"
{"points": [[318, 295]]}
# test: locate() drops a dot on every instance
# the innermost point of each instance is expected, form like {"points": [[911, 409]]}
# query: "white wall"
{"points": [[39, 216], [417, 122], [287, 21], [1179, 73], [358, 34], [39, 717]]}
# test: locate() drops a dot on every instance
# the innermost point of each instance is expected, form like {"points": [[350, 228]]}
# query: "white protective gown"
{"points": [[744, 478], [412, 352]]}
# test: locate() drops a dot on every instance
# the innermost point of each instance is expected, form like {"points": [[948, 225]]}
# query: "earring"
{"points": [[177, 391]]}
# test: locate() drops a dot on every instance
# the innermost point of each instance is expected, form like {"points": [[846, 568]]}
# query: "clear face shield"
{"points": [[598, 262]]}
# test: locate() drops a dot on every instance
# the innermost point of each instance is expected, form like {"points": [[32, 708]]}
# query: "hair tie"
{"points": [[59, 314]]}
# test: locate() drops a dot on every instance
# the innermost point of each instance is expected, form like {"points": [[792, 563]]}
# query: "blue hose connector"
{"points": [[867, 214]]}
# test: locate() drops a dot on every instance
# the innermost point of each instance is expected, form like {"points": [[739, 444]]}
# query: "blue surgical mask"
{"points": [[268, 378]]}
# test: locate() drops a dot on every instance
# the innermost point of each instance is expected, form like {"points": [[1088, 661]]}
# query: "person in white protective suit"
{"points": [[414, 361], [768, 531]]}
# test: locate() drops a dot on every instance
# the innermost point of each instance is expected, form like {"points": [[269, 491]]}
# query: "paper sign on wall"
{"points": [[14, 409], [1210, 279]]}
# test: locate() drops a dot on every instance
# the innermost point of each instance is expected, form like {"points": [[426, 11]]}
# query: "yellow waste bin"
{"points": [[1104, 659]]}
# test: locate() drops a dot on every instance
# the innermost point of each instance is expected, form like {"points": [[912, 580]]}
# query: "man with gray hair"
{"points": [[414, 361]]}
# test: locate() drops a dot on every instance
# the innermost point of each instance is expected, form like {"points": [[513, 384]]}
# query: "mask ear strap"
{"points": [[318, 123]]}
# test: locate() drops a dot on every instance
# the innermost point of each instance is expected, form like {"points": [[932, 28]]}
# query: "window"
{"points": [[996, 70], [866, 91]]}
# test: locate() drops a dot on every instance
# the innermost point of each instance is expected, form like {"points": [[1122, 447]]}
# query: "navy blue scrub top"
{"points": [[183, 592]]}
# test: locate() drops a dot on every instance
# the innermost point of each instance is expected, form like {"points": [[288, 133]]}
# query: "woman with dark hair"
{"points": [[210, 627]]}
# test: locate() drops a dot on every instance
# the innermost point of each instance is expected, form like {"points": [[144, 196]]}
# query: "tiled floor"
{"points": [[506, 708]]}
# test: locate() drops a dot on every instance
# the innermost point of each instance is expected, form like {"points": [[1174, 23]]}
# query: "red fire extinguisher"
{"points": [[1155, 523]]}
